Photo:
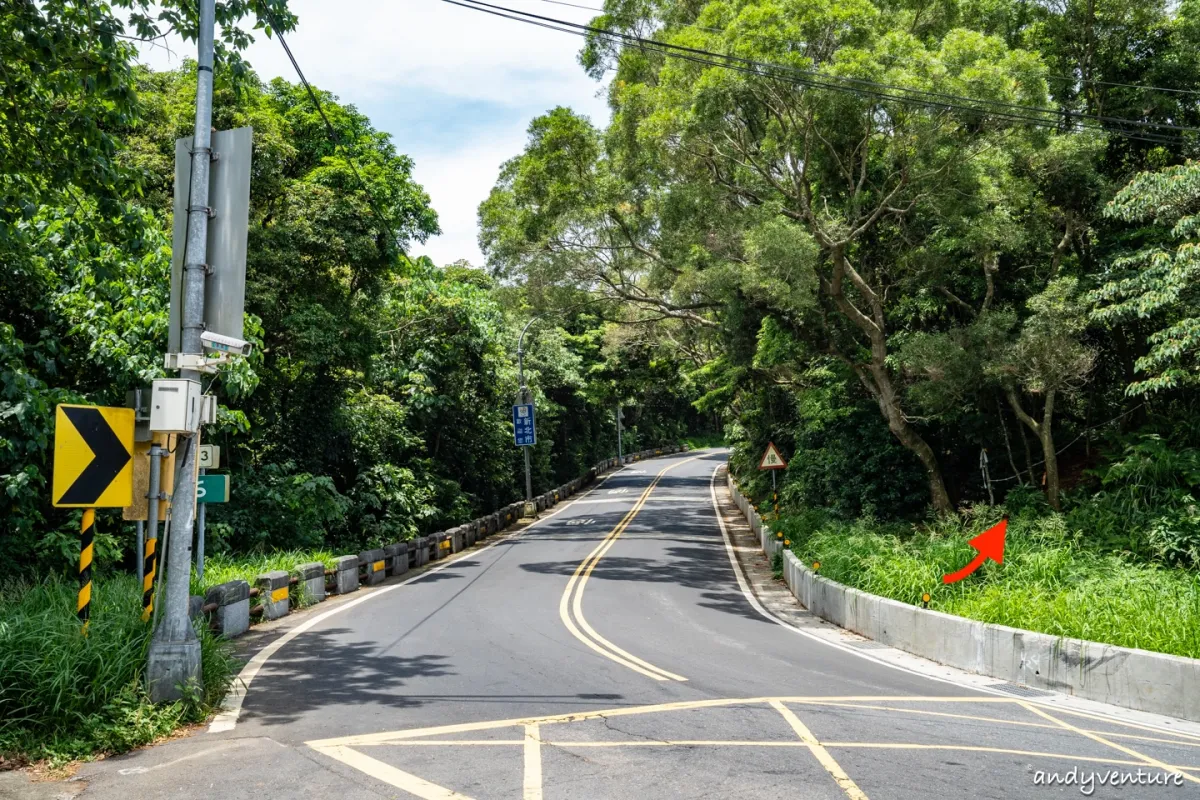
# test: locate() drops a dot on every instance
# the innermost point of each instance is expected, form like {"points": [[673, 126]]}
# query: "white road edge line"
{"points": [[744, 586], [227, 718]]}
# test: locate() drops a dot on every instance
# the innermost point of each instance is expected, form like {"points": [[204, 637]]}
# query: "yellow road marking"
{"points": [[827, 761], [1000, 750], [227, 719], [1153, 762], [279, 594], [391, 737], [998, 720], [572, 599], [1098, 718], [533, 763], [402, 780]]}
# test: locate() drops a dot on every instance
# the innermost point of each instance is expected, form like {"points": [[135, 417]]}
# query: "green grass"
{"points": [[225, 568], [704, 441], [1052, 579], [65, 696]]}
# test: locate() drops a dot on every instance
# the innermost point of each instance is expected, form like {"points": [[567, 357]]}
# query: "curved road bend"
{"points": [[609, 652]]}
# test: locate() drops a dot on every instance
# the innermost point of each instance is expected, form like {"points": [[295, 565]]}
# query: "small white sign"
{"points": [[209, 456]]}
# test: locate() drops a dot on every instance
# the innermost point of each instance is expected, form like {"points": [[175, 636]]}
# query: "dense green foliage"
{"points": [[921, 303], [376, 404]]}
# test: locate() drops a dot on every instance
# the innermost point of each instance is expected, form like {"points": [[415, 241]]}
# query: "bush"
{"points": [[1145, 503], [276, 506], [65, 696]]}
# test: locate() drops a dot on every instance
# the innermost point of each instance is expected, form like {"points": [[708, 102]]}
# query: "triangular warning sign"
{"points": [[771, 459]]}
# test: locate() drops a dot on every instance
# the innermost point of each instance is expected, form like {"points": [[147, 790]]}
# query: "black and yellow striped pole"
{"points": [[149, 568], [83, 608]]}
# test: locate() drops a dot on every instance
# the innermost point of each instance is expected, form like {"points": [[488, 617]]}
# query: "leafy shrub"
{"points": [[1146, 504], [277, 507]]}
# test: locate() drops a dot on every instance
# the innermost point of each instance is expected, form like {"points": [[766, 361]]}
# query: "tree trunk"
{"points": [[1044, 431], [889, 404], [1047, 439], [876, 377]]}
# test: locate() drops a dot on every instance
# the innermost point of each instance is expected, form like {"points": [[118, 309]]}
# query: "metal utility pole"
{"points": [[174, 661]]}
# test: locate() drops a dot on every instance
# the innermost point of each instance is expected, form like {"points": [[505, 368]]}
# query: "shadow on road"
{"points": [[334, 670]]}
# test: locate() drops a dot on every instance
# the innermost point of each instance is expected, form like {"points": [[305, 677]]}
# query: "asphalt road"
{"points": [[609, 651]]}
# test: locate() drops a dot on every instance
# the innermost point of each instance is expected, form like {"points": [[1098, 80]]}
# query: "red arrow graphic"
{"points": [[990, 544]]}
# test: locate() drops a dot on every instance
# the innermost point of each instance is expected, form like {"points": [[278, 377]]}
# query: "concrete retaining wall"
{"points": [[1120, 676], [228, 605]]}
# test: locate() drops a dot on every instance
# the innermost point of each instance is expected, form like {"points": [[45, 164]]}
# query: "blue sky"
{"points": [[456, 89]]}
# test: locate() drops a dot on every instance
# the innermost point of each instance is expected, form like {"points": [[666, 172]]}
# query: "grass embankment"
{"points": [[1051, 580], [64, 696]]}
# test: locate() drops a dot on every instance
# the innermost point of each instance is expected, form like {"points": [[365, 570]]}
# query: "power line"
{"points": [[1049, 76], [817, 78], [822, 81], [388, 230]]}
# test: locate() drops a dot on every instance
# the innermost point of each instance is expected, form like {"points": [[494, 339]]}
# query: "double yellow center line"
{"points": [[570, 608]]}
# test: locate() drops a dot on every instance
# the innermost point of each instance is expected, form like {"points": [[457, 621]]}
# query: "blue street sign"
{"points": [[523, 431]]}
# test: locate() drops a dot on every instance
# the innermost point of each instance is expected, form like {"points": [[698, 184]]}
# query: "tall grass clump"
{"points": [[1053, 579], [65, 696]]}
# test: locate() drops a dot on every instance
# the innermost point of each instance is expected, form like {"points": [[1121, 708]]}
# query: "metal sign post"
{"points": [[773, 461]]}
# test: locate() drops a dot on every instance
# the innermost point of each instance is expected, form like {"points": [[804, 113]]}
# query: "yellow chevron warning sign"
{"points": [[93, 457], [771, 459]]}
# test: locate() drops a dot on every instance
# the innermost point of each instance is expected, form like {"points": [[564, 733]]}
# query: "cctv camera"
{"points": [[215, 343]]}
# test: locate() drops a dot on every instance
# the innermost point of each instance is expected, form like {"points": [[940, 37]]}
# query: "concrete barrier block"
{"points": [[866, 615], [345, 573], [311, 586], [458, 539], [418, 552], [1035, 654], [397, 558], [470, 533], [273, 593], [444, 545], [232, 616], [372, 566], [896, 624], [947, 639]]}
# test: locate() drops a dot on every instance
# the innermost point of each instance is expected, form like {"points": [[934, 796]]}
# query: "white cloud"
{"points": [[455, 88]]}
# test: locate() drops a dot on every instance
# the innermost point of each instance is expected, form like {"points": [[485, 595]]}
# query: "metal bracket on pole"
{"points": [[210, 365]]}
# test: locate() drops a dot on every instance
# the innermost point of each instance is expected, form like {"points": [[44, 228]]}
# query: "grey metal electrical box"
{"points": [[229, 199], [175, 405]]}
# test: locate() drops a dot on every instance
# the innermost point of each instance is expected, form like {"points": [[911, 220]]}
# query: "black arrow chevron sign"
{"points": [[92, 457]]}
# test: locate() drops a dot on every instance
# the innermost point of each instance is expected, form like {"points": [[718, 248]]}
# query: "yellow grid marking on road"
{"points": [[822, 755], [1098, 718], [999, 721], [531, 741], [533, 763], [572, 598], [402, 780], [1146, 760], [1001, 750], [390, 737]]}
